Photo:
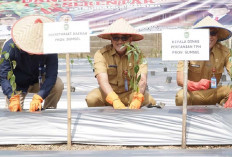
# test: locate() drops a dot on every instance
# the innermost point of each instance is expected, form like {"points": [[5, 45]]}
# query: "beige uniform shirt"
{"points": [[218, 59], [106, 60]]}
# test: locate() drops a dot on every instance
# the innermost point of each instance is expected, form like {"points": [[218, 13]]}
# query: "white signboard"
{"points": [[66, 37], [185, 44]]}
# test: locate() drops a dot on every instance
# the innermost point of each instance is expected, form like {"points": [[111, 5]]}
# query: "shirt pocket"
{"points": [[195, 68], [194, 72], [219, 68], [112, 75]]}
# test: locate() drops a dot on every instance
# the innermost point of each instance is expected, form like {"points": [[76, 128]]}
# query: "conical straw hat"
{"points": [[120, 26], [208, 22], [27, 33]]}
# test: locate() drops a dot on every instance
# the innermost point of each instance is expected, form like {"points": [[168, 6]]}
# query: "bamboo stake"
{"points": [[69, 138], [184, 112]]}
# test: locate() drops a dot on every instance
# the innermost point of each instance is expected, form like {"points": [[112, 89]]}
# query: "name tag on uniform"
{"points": [[112, 66], [195, 65]]}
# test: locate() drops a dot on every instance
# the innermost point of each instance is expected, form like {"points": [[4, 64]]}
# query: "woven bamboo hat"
{"points": [[27, 33], [208, 22], [120, 26]]}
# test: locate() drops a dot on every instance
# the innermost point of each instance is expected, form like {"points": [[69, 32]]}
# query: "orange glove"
{"points": [[228, 103], [36, 103], [136, 101], [202, 84], [15, 103], [113, 99]]}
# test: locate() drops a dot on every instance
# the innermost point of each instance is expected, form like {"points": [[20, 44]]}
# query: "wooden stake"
{"points": [[184, 112], [69, 138]]}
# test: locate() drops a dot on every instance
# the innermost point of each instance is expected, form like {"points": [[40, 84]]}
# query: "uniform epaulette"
{"points": [[105, 49]]}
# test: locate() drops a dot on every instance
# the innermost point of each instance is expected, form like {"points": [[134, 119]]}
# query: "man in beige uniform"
{"points": [[111, 70], [200, 72]]}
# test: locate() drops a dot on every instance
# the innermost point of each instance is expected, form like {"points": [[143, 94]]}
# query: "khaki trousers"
{"points": [[51, 100], [205, 97], [96, 98]]}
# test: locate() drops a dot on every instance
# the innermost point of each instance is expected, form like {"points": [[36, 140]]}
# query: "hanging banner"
{"points": [[147, 16]]}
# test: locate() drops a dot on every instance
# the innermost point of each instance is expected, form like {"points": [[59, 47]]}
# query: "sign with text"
{"points": [[66, 37], [185, 44]]}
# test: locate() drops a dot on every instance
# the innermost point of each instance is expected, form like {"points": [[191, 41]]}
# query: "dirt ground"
{"points": [[63, 147]]}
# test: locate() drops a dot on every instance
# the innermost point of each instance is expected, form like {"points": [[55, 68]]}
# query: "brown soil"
{"points": [[63, 147]]}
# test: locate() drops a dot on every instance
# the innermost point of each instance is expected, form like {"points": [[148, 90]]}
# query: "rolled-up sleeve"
{"points": [[180, 66], [99, 63]]}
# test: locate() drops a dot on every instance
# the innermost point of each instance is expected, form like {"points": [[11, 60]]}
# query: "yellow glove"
{"points": [[113, 99], [136, 101], [15, 104], [36, 103]]}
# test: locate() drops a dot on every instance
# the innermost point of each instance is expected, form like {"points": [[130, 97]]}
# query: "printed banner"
{"points": [[147, 16]]}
